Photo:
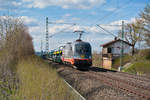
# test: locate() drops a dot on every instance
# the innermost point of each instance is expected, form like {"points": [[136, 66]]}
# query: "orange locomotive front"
{"points": [[78, 54]]}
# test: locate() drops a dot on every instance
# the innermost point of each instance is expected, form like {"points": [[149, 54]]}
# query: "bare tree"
{"points": [[145, 15], [14, 37], [133, 33], [15, 43]]}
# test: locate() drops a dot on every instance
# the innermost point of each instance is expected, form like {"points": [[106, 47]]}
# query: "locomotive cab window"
{"points": [[82, 48]]}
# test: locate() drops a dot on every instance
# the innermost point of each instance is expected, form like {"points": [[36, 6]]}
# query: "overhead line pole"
{"points": [[47, 37], [47, 33], [41, 47], [121, 48]]}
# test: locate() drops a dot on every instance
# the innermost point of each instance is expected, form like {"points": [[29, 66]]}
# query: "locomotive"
{"points": [[77, 54]]}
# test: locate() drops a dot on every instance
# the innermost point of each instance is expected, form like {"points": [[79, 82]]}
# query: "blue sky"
{"points": [[85, 13]]}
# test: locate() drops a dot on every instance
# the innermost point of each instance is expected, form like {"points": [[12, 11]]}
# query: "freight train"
{"points": [[77, 53]]}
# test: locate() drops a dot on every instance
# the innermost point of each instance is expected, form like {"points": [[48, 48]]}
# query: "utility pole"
{"points": [[47, 33], [121, 47], [41, 47], [47, 37]]}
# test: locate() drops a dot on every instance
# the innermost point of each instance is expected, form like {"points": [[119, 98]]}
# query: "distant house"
{"points": [[111, 51]]}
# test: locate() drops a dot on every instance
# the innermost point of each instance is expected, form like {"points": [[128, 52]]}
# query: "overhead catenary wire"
{"points": [[62, 30], [100, 19], [60, 23], [112, 25], [108, 15], [114, 11], [130, 11], [107, 31]]}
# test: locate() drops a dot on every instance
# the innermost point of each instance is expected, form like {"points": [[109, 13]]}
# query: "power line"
{"points": [[130, 11], [111, 25], [107, 31], [62, 30], [108, 15], [61, 23]]}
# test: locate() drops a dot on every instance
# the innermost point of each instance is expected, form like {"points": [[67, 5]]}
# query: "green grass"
{"points": [[140, 64], [141, 67], [37, 81], [126, 59]]}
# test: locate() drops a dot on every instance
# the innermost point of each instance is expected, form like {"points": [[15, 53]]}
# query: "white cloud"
{"points": [[111, 9], [67, 15], [119, 22], [29, 21], [80, 4], [16, 3], [59, 21], [9, 4], [93, 13], [67, 28], [75, 19], [116, 25], [36, 30]]}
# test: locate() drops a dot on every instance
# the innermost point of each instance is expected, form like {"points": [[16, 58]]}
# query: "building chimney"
{"points": [[115, 38]]}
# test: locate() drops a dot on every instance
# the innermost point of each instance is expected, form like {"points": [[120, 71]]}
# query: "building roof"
{"points": [[111, 42]]}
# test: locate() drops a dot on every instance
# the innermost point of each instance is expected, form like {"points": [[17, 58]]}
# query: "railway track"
{"points": [[122, 81], [133, 81], [121, 84], [141, 78]]}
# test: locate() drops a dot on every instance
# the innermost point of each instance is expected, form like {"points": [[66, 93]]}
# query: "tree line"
{"points": [[15, 45]]}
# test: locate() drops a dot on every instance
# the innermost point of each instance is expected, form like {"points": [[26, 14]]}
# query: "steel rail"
{"points": [[126, 86]]}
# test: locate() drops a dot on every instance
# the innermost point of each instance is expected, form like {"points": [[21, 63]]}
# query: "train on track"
{"points": [[77, 53]]}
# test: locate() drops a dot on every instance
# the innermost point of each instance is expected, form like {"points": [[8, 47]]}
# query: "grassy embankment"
{"points": [[39, 82], [34, 79], [140, 62]]}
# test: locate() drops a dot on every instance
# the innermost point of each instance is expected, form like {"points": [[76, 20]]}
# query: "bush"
{"points": [[97, 60]]}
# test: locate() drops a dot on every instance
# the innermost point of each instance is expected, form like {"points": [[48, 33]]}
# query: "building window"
{"points": [[109, 50]]}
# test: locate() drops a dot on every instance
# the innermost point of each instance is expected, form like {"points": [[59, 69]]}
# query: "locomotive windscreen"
{"points": [[82, 50]]}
